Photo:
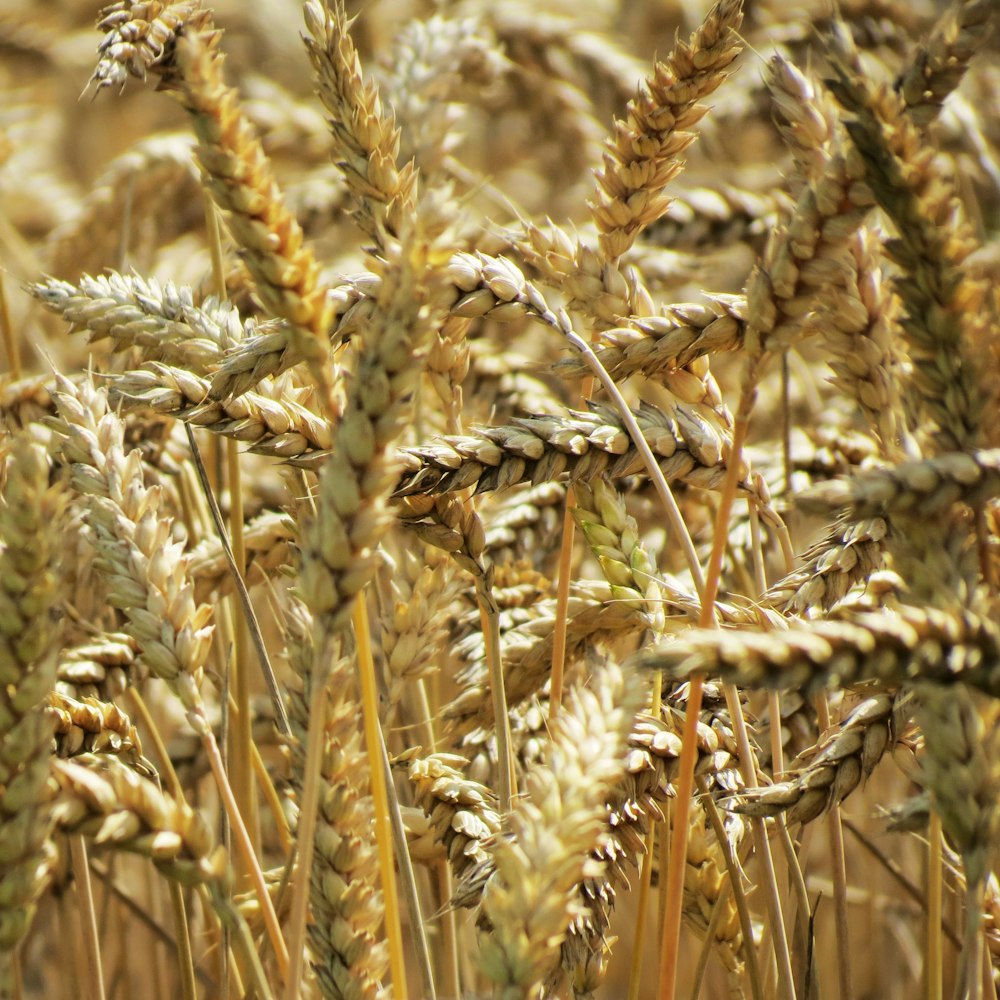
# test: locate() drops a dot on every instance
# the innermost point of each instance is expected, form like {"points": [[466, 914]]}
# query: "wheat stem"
{"points": [[88, 916], [242, 837], [182, 932], [306, 838], [383, 833], [934, 961]]}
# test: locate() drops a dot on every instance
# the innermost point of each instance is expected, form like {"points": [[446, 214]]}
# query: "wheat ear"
{"points": [[30, 519]]}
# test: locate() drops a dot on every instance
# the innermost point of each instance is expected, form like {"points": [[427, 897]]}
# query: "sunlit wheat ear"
{"points": [[943, 307], [645, 151], [461, 811], [843, 761], [555, 826], [102, 797], [93, 726], [943, 58], [366, 139], [910, 643], [655, 346], [162, 320], [849, 552], [239, 178], [145, 572], [30, 521], [578, 446], [138, 36], [282, 422]]}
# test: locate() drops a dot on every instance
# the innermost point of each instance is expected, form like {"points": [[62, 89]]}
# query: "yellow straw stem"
{"points": [[242, 838], [646, 873], [934, 966], [88, 917], [308, 811], [671, 942], [383, 832]]}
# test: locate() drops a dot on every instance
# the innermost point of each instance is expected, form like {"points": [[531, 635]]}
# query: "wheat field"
{"points": [[500, 500]]}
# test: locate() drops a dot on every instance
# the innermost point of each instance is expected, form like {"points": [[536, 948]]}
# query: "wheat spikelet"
{"points": [[942, 60], [101, 797], [843, 760], [162, 320], [414, 622], [366, 140], [239, 177], [656, 346], [580, 446], [96, 668], [940, 303], [908, 644], [462, 812], [644, 153], [849, 552], [92, 726], [924, 487], [555, 825], [139, 35], [613, 537], [145, 573], [29, 525], [278, 424]]}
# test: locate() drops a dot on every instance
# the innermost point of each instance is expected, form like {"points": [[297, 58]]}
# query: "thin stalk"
{"points": [[241, 741], [308, 812], [383, 833], [786, 424], [242, 839], [10, 341], [277, 703], [762, 848], [739, 896], [670, 948], [185, 958], [230, 917], [839, 872], [646, 872], [272, 800], [780, 887], [706, 945], [88, 917], [489, 617], [241, 755], [655, 472], [408, 879], [138, 912], [153, 732], [448, 968], [671, 941], [934, 963], [800, 925]]}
